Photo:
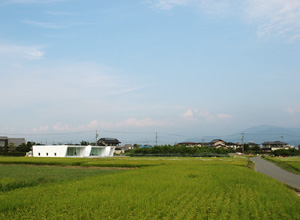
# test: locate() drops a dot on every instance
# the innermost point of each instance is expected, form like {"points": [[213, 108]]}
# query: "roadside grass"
{"points": [[291, 164], [19, 176], [180, 189]]}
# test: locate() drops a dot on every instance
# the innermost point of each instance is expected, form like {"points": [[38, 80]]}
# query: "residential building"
{"points": [[269, 146], [108, 142], [72, 151], [11, 141], [190, 144], [217, 143], [233, 145]]}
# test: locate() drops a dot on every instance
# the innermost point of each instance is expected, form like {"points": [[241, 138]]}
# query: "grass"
{"points": [[121, 161], [291, 164], [163, 188], [18, 176]]}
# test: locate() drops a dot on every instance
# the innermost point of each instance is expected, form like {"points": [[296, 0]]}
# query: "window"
{"points": [[54, 154], [46, 154], [39, 154]]}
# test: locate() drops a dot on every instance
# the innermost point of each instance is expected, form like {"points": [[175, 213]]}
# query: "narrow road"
{"points": [[276, 172]]}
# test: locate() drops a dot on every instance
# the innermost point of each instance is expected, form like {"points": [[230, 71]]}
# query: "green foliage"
{"points": [[176, 188], [286, 152], [176, 150]]}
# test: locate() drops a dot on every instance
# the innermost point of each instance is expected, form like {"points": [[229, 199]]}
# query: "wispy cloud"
{"points": [[279, 17], [273, 18], [197, 115], [97, 124], [52, 25], [60, 13], [6, 2], [44, 24], [168, 4], [17, 51], [293, 110], [86, 87]]}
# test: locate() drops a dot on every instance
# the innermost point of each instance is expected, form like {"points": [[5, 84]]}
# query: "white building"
{"points": [[72, 151]]}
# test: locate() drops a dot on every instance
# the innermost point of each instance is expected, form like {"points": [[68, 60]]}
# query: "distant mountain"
{"points": [[260, 134]]}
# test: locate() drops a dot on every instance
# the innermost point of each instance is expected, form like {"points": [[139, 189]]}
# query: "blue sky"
{"points": [[184, 67]]}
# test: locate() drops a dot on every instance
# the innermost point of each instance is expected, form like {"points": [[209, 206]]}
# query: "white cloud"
{"points": [[44, 24], [7, 2], [16, 51], [197, 115], [279, 17], [188, 113], [52, 25], [146, 122], [293, 110], [96, 124], [41, 129], [273, 18], [169, 4]]}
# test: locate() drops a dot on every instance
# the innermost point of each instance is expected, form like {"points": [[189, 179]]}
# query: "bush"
{"points": [[176, 150], [286, 152]]}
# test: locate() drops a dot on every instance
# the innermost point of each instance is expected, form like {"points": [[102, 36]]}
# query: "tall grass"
{"points": [[168, 189]]}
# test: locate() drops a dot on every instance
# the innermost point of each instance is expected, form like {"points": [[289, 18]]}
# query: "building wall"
{"points": [[72, 151], [51, 150], [15, 141]]}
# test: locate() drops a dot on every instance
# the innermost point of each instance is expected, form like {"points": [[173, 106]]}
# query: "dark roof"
{"points": [[216, 140], [274, 143], [252, 143], [110, 140], [231, 143], [188, 143]]}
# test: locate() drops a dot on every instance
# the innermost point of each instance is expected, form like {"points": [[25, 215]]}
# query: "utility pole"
{"points": [[96, 138], [243, 142], [156, 139], [282, 137]]}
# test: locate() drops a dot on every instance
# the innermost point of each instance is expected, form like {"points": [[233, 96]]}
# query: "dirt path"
{"points": [[276, 172]]}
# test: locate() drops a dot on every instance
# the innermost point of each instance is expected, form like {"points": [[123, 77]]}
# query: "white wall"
{"points": [[51, 150], [61, 150]]}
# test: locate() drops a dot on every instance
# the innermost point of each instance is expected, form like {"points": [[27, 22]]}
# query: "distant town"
{"points": [[19, 147]]}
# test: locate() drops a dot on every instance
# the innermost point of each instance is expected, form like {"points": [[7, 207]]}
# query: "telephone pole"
{"points": [[243, 142], [96, 138], [156, 138]]}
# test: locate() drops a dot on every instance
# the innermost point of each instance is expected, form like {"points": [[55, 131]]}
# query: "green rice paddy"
{"points": [[162, 188]]}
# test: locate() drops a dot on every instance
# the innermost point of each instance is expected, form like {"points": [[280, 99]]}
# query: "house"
{"points": [[108, 142], [189, 144], [233, 145], [252, 144], [274, 145], [119, 150], [217, 143], [11, 141], [72, 151]]}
